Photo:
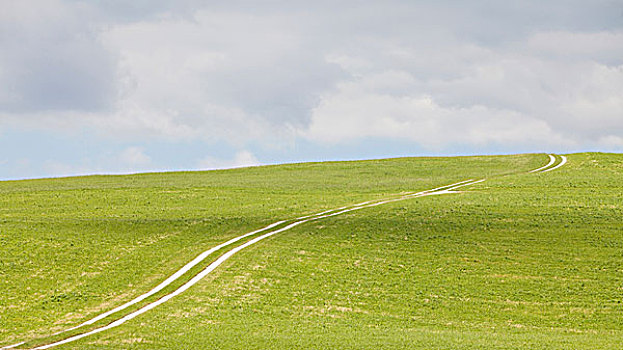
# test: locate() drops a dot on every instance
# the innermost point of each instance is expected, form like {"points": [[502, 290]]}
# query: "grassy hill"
{"points": [[522, 260]]}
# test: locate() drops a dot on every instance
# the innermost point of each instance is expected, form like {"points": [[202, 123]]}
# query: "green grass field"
{"points": [[518, 261]]}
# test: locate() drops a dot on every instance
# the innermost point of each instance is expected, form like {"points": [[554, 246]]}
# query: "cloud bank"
{"points": [[242, 76]]}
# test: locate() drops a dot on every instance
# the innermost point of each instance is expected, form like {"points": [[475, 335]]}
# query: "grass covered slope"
{"points": [[524, 260]]}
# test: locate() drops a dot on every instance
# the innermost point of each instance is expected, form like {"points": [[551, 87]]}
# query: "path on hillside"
{"points": [[548, 167], [272, 229]]}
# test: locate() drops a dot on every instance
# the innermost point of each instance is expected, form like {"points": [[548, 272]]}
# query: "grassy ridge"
{"points": [[528, 260], [523, 261], [77, 246]]}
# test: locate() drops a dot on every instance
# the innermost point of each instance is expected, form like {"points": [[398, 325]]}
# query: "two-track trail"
{"points": [[548, 167], [260, 234]]}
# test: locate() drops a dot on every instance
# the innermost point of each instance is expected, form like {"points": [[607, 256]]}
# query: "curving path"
{"points": [[562, 162], [548, 166], [552, 160], [269, 230]]}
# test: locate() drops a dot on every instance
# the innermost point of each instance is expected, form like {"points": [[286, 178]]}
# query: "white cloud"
{"points": [[350, 64], [241, 159], [51, 59], [243, 75], [611, 142], [602, 46], [218, 76], [513, 95], [134, 157], [352, 114]]}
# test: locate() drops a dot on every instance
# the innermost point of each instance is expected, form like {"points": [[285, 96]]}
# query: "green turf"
{"points": [[519, 261]]}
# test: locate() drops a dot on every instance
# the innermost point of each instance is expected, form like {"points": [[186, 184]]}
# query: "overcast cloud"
{"points": [[122, 86]]}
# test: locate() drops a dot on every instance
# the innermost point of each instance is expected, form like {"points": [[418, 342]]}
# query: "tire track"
{"points": [[201, 257], [562, 162], [552, 161], [298, 221]]}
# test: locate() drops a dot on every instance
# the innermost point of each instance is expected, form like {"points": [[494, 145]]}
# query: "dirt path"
{"points": [[552, 159], [547, 167], [562, 162], [272, 229]]}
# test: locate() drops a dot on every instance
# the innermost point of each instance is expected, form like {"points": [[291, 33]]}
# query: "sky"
{"points": [[102, 87]]}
